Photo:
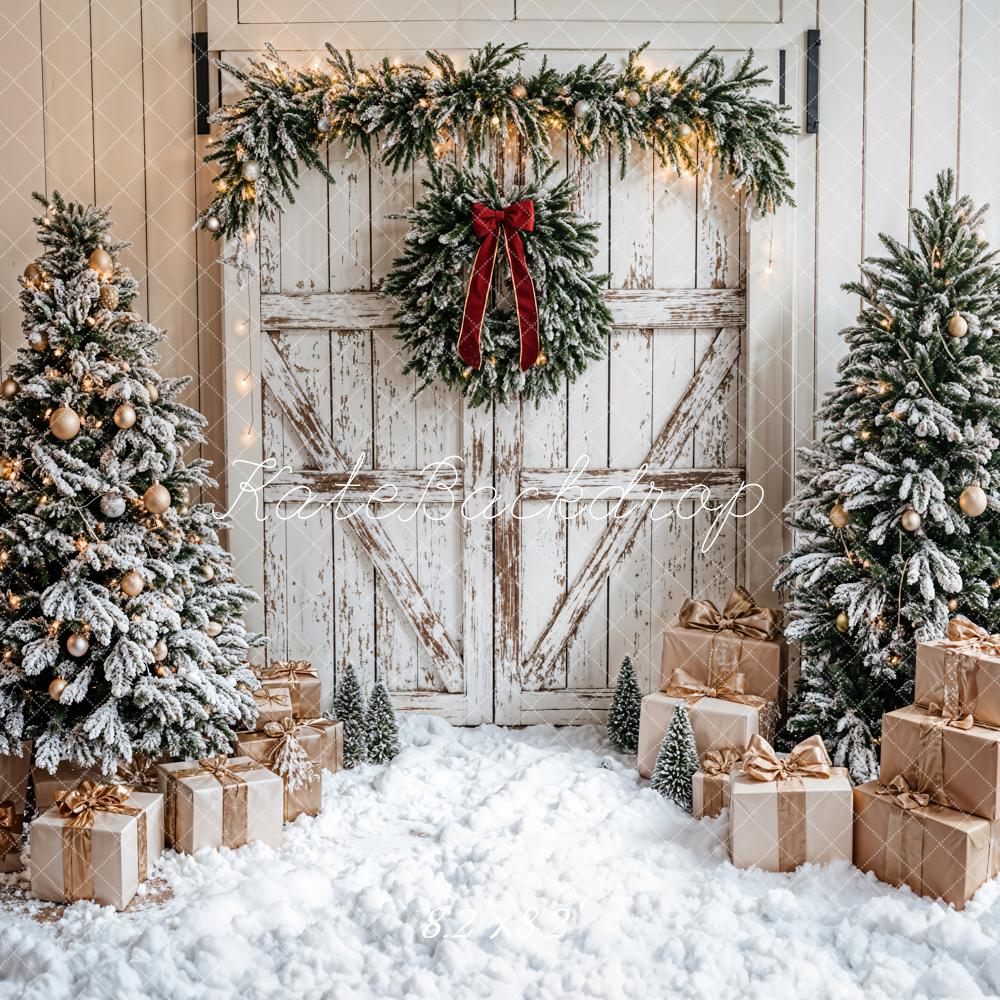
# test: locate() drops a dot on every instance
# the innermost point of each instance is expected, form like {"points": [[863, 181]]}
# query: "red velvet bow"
{"points": [[487, 223]]}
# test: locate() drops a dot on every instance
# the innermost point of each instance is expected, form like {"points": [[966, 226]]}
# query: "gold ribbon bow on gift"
{"points": [[139, 773], [716, 762], [289, 670], [716, 765], [271, 697], [78, 807], [904, 842], [10, 828], [234, 797], [728, 688], [740, 615], [904, 794], [807, 759], [288, 757], [955, 699]]}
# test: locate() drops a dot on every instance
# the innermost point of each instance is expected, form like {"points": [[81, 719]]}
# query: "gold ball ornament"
{"points": [[160, 650], [156, 499], [213, 223], [839, 516], [953, 604], [843, 622], [32, 274], [77, 644], [101, 262], [56, 687], [250, 171], [125, 416], [973, 500], [212, 629], [65, 423], [519, 91], [38, 341], [154, 393], [206, 572], [958, 326], [9, 388], [632, 98], [132, 583], [911, 520], [109, 296]]}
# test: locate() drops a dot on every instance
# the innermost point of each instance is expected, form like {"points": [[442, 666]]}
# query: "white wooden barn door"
{"points": [[524, 618]]}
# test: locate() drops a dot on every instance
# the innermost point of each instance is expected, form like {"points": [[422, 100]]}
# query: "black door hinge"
{"points": [[812, 80], [200, 45]]}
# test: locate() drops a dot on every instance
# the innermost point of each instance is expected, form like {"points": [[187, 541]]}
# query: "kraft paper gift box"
{"points": [[319, 741], [904, 839], [961, 673], [958, 767], [14, 772], [717, 724], [66, 777], [302, 680], [791, 810], [99, 842], [220, 802], [710, 784], [274, 703]]}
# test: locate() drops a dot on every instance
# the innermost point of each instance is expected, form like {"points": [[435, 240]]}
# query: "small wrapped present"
{"points": [[904, 839], [789, 810], [721, 717], [960, 675], [955, 761], [66, 777], [302, 680], [220, 802], [14, 772], [97, 842], [299, 751], [273, 705], [710, 784], [741, 639]]}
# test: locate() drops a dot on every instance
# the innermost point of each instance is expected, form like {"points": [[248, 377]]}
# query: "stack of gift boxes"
{"points": [[931, 821], [95, 839]]}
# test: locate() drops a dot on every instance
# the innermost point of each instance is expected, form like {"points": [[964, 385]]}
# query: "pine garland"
{"points": [[429, 282], [689, 118]]}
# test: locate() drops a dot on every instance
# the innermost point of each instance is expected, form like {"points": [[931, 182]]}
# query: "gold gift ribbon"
{"points": [[283, 732], [904, 843], [78, 806], [716, 765], [740, 616], [807, 759], [955, 699], [234, 797], [272, 697], [727, 688], [292, 671], [140, 774], [10, 828]]}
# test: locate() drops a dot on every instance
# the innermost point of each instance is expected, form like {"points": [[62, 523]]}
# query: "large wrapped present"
{"points": [[274, 703], [220, 802], [905, 839], [741, 639], [956, 762], [717, 722], [302, 680], [960, 675], [14, 772], [299, 751], [65, 778], [789, 810], [97, 842], [710, 784]]}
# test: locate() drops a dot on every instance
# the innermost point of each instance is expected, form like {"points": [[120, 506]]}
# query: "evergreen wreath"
{"points": [[689, 117], [430, 279]]}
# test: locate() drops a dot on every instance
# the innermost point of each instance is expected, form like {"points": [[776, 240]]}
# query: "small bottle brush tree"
{"points": [[381, 730], [349, 707], [623, 715], [120, 622], [896, 517], [677, 760]]}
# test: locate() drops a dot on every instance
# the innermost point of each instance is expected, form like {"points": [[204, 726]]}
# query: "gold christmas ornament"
{"points": [[109, 296], [213, 223], [160, 650], [38, 341], [212, 629], [154, 393], [632, 98], [250, 170], [957, 325], [953, 604], [973, 500], [156, 498], [125, 416], [542, 359], [519, 91], [9, 388], [911, 520], [32, 274], [77, 644], [101, 262], [65, 423], [132, 583], [839, 516], [843, 622], [206, 572], [56, 688]]}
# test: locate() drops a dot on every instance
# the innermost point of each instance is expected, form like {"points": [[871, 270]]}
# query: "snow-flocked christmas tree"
{"points": [[896, 518], [120, 620], [623, 714], [677, 760], [381, 729], [349, 707]]}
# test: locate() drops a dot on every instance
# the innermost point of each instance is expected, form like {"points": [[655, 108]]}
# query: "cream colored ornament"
{"points": [[132, 583], [843, 622], [212, 629], [65, 423], [973, 500], [101, 262], [156, 499], [77, 644], [953, 604], [56, 688], [213, 223], [207, 573], [154, 393], [125, 416], [160, 650], [9, 388], [632, 98], [250, 170], [839, 516], [911, 520], [958, 326], [519, 91]]}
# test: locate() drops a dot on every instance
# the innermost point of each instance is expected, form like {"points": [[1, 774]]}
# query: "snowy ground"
{"points": [[487, 863]]}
